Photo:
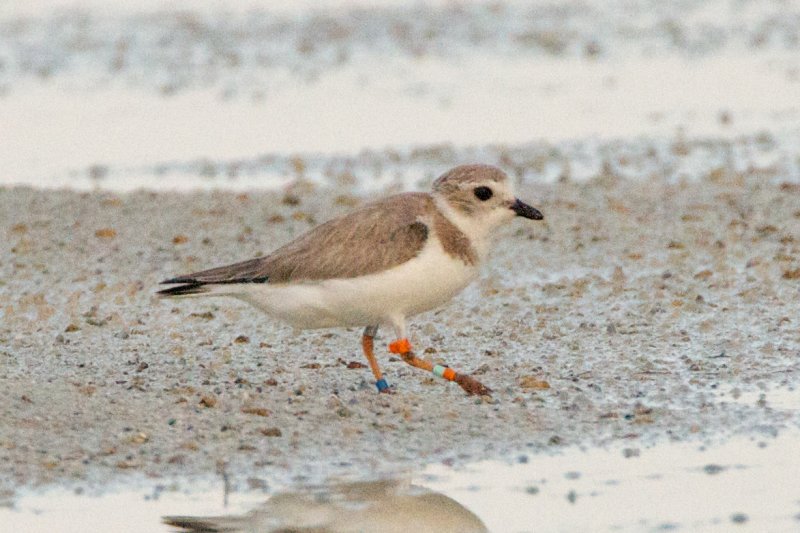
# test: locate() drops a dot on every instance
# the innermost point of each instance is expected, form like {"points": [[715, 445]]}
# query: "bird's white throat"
{"points": [[477, 230]]}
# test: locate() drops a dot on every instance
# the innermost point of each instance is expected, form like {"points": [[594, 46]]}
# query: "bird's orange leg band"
{"points": [[400, 346]]}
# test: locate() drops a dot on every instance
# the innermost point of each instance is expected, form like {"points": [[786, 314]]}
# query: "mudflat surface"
{"points": [[640, 312]]}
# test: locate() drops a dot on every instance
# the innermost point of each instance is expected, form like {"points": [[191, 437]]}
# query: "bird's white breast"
{"points": [[425, 282]]}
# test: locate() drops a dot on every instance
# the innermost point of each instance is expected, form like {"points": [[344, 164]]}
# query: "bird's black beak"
{"points": [[524, 210]]}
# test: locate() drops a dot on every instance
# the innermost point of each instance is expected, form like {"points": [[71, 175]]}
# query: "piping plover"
{"points": [[388, 260]]}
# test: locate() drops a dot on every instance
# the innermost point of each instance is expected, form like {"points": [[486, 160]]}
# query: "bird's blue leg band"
{"points": [[382, 385]]}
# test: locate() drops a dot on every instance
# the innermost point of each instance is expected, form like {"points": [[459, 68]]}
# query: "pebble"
{"points": [[258, 411], [739, 518], [534, 383], [208, 401]]}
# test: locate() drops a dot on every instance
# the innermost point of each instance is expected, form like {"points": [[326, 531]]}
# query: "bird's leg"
{"points": [[471, 385], [367, 344]]}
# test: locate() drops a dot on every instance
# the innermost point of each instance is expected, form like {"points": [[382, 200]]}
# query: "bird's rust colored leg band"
{"points": [[470, 385]]}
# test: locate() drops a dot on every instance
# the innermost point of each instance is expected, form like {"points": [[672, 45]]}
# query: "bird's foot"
{"points": [[472, 386]]}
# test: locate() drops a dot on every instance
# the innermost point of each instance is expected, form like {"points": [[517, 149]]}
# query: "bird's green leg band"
{"points": [[444, 372]]}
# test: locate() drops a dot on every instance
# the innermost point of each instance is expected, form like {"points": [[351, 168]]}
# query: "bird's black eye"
{"points": [[483, 193]]}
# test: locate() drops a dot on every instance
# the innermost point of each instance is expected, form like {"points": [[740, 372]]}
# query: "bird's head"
{"points": [[482, 195]]}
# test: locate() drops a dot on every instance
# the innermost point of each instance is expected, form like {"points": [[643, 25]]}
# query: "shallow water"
{"points": [[747, 482], [685, 486]]}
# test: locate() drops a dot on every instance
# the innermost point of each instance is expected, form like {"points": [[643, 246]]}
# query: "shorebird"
{"points": [[391, 259]]}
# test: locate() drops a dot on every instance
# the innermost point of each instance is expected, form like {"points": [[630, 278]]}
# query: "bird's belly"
{"points": [[426, 282]]}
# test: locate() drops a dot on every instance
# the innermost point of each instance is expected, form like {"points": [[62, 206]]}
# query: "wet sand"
{"points": [[636, 313]]}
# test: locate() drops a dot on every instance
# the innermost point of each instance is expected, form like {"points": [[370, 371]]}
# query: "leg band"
{"points": [[444, 372], [382, 385], [400, 346]]}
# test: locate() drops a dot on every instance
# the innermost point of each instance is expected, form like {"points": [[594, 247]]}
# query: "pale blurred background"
{"points": [[229, 94]]}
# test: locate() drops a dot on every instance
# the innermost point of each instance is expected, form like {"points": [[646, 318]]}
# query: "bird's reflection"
{"points": [[382, 506]]}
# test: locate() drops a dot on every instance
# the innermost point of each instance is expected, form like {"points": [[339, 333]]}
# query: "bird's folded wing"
{"points": [[378, 236]]}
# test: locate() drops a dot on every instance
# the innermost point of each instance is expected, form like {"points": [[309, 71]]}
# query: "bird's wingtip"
{"points": [[182, 290]]}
